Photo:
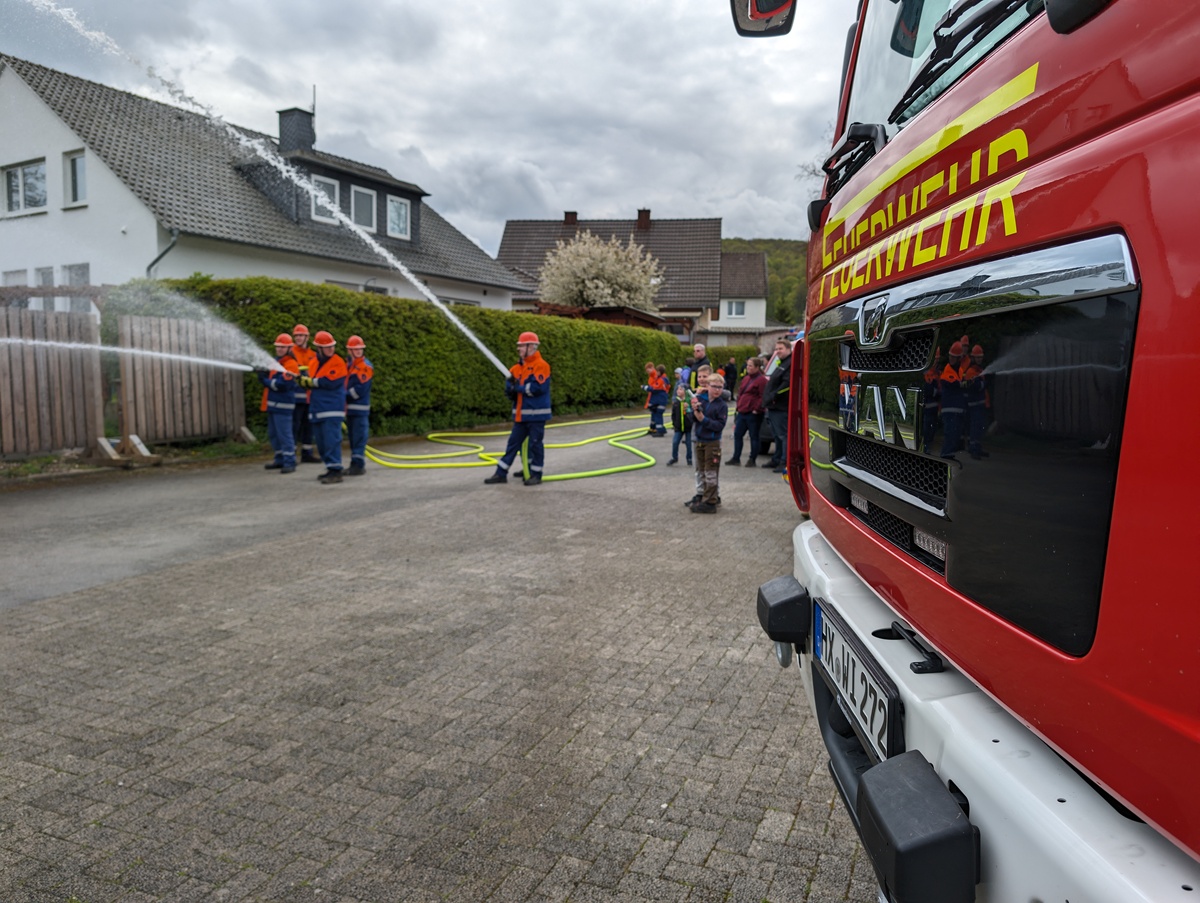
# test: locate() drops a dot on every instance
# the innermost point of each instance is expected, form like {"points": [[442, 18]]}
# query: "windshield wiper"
{"points": [[953, 36]]}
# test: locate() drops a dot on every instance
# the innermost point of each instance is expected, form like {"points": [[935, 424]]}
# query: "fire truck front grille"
{"points": [[899, 466], [896, 531], [913, 354]]}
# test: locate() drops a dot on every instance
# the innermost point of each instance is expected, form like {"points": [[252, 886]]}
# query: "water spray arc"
{"points": [[100, 39]]}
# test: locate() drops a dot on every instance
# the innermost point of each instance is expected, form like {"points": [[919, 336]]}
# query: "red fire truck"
{"points": [[991, 603]]}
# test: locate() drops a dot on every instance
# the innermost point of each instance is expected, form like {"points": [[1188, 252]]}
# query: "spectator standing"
{"points": [[279, 401], [302, 428], [327, 405], [656, 400], [775, 400], [711, 413], [749, 412], [359, 376], [681, 422], [699, 360], [528, 385], [730, 372]]}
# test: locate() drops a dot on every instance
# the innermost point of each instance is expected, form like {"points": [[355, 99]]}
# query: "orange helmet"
{"points": [[284, 339], [323, 339], [977, 351], [956, 349], [528, 338], [355, 342], [300, 329]]}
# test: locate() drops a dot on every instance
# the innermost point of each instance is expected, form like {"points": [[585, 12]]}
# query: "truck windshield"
{"points": [[913, 50]]}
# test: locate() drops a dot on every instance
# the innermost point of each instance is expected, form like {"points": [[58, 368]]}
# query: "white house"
{"points": [[101, 186]]}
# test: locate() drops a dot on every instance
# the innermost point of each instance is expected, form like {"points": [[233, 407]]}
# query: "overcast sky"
{"points": [[500, 109]]}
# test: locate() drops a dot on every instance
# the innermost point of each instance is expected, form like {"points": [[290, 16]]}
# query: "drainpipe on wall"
{"points": [[166, 251]]}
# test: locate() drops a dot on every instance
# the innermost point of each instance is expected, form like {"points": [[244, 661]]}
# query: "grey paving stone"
{"points": [[433, 690]]}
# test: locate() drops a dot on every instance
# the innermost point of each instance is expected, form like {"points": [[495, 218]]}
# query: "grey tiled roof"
{"points": [[186, 172], [743, 275], [689, 251]]}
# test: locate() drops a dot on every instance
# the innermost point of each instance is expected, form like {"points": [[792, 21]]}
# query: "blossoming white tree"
{"points": [[588, 272]]}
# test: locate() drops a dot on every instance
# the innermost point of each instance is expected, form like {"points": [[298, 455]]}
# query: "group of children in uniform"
{"points": [[309, 395]]}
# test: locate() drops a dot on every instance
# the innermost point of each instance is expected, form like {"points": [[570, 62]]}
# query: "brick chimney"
{"points": [[570, 218], [296, 130], [643, 221]]}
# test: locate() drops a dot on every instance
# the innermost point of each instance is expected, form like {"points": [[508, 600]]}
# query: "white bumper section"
{"points": [[1046, 836]]}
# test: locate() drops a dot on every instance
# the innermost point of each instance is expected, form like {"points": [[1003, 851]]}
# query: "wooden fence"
{"points": [[169, 390], [51, 397], [53, 382]]}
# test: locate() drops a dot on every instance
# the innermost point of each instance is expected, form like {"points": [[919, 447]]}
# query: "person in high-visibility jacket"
{"points": [[327, 405], [656, 398], [528, 385], [954, 401], [359, 375], [279, 401], [301, 425]]}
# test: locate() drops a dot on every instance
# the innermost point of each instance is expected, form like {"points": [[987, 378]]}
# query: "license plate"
{"points": [[867, 695]]}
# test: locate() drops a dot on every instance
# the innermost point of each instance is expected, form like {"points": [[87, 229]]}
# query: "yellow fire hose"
{"points": [[489, 459]]}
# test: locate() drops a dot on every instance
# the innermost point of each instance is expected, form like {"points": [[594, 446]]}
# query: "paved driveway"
{"points": [[225, 684]]}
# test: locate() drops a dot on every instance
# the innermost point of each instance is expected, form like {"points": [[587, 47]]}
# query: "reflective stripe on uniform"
{"points": [[527, 411], [358, 407], [280, 406], [325, 415]]}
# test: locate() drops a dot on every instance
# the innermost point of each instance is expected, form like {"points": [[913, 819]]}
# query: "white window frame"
{"points": [[19, 169], [407, 233], [73, 196], [317, 213], [733, 312], [355, 192]]}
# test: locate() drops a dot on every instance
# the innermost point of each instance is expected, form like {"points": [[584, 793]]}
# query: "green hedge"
{"points": [[428, 375]]}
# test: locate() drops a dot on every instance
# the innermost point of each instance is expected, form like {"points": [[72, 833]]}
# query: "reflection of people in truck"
{"points": [[930, 395], [978, 402], [848, 399], [954, 402]]}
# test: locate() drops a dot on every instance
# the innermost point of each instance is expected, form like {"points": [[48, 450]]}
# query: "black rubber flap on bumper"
{"points": [[920, 841]]}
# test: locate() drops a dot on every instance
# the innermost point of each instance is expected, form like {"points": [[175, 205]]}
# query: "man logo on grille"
{"points": [[871, 320]]}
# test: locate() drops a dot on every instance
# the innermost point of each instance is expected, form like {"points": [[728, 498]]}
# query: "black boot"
{"points": [[355, 470], [498, 477]]}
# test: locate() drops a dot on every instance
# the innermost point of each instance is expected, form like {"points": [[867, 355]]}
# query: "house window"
{"points": [[43, 276], [735, 308], [74, 178], [398, 220], [362, 207], [78, 274], [25, 186], [13, 278], [328, 188]]}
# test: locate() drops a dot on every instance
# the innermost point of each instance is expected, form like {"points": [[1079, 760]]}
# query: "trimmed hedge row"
{"points": [[428, 375]]}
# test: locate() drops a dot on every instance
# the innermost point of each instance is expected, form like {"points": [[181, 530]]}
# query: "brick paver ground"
{"points": [[410, 687]]}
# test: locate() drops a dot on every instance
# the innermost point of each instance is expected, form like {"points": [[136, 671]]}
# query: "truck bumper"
{"points": [[1045, 833]]}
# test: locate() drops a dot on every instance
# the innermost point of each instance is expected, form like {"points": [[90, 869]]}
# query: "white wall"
{"points": [[118, 237], [112, 231]]}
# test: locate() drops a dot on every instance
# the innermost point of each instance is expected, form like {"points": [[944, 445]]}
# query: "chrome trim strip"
{"points": [[1092, 266], [886, 486]]}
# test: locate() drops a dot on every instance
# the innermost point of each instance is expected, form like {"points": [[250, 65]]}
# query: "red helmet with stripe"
{"points": [[323, 339], [284, 339], [528, 338], [355, 342], [300, 329]]}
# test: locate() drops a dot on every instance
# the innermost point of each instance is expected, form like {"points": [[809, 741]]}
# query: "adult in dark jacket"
{"points": [[775, 400], [701, 357], [749, 412]]}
